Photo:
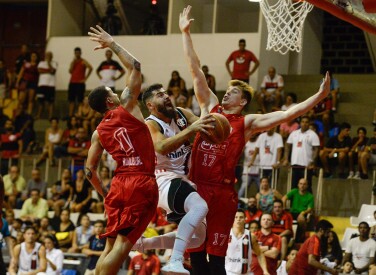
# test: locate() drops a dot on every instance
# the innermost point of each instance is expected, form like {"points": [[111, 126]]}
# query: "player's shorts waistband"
{"points": [[132, 174]]}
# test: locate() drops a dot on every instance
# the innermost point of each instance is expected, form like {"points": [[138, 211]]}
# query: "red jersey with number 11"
{"points": [[215, 163], [128, 141]]}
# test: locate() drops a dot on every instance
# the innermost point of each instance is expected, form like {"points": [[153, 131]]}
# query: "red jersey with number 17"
{"points": [[215, 163], [128, 141]]}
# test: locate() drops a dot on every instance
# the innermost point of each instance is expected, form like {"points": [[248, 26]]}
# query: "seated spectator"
{"points": [[290, 101], [348, 268], [64, 229], [372, 232], [16, 229], [160, 223], [86, 115], [81, 234], [282, 226], [44, 229], [266, 196], [94, 247], [331, 249], [176, 89], [302, 204], [34, 208], [97, 205], [81, 193], [250, 173], [22, 263], [361, 250], [270, 246], [24, 124], [6, 238], [254, 226], [14, 185], [62, 192], [210, 79], [78, 149], [35, 182], [252, 213], [69, 133], [9, 217], [11, 146], [307, 259], [271, 90], [146, 263], [359, 144], [368, 156], [336, 149], [54, 255], [53, 136], [321, 114], [284, 268]]}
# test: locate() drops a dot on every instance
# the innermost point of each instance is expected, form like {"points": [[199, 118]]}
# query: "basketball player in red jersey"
{"points": [[213, 166], [133, 196]]}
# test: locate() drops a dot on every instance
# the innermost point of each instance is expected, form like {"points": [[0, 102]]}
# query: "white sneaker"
{"points": [[357, 176], [351, 175], [139, 245], [175, 267]]}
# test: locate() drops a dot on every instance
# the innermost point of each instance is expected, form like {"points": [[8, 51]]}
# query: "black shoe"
{"points": [[364, 176], [342, 176], [374, 123], [328, 175]]}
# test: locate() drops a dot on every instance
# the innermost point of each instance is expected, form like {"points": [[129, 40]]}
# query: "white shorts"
{"points": [[164, 182]]}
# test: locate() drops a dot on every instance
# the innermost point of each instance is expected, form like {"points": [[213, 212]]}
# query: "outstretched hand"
{"points": [[101, 36], [325, 85], [184, 20]]}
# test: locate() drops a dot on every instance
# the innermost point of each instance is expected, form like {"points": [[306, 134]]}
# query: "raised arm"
{"points": [[91, 169], [130, 94], [257, 123], [205, 97]]}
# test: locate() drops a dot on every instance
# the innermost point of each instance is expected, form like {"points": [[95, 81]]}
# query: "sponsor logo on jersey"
{"points": [[216, 149], [179, 153]]}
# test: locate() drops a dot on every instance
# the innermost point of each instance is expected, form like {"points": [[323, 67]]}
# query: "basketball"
{"points": [[220, 132]]}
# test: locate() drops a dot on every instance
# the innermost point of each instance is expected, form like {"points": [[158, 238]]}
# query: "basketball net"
{"points": [[285, 20]]}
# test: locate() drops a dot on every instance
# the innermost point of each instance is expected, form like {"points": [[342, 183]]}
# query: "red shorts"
{"points": [[223, 203], [130, 205]]}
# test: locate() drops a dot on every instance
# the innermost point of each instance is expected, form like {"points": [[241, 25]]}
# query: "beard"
{"points": [[252, 209], [170, 113]]}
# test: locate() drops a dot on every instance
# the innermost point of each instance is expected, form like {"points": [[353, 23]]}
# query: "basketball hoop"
{"points": [[285, 21]]}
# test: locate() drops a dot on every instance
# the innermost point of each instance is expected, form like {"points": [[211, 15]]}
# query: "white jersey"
{"points": [[239, 254], [25, 258], [361, 251], [47, 79], [268, 148], [302, 146], [178, 160], [249, 150]]}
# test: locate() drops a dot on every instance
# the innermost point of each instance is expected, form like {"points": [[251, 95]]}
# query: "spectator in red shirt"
{"points": [[282, 225], [270, 245], [307, 262], [78, 149], [252, 213], [11, 146], [242, 59], [160, 223], [145, 264]]}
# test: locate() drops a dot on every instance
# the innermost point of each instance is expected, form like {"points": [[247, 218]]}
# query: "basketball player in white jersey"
{"points": [[241, 243], [29, 257], [171, 130]]}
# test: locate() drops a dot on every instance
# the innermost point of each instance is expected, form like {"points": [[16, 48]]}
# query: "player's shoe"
{"points": [[139, 245], [175, 267]]}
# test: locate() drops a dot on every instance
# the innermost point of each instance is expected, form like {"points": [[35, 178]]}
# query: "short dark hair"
{"points": [[35, 190], [344, 125], [242, 40], [101, 222], [97, 99], [77, 49], [256, 222], [324, 225], [293, 96], [278, 200], [53, 240], [365, 223], [240, 210], [54, 118], [149, 92], [30, 227], [362, 129]]}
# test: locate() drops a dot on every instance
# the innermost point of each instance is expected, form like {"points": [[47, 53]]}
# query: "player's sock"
{"points": [[165, 241], [196, 209]]}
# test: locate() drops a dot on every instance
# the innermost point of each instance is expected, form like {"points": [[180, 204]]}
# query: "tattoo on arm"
{"points": [[125, 55]]}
